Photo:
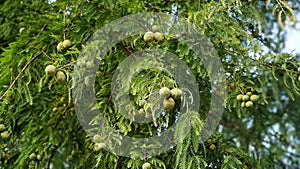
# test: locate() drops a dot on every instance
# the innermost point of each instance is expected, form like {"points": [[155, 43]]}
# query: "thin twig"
{"points": [[64, 19], [64, 32], [266, 64], [23, 69], [42, 29], [27, 64]]}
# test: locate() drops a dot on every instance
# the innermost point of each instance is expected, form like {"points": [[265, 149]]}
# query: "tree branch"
{"points": [[22, 71], [266, 64]]}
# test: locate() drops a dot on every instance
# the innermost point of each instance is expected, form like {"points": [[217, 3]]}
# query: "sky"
{"points": [[293, 38]]}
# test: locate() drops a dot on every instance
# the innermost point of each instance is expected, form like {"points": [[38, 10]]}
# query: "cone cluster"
{"points": [[4, 133], [50, 70], [211, 145], [153, 35], [64, 45], [170, 96], [146, 166], [248, 100]]}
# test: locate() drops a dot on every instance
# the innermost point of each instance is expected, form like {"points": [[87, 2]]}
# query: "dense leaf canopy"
{"points": [[38, 121]]}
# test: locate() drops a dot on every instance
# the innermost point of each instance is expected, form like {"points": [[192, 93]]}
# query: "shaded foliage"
{"points": [[39, 114]]}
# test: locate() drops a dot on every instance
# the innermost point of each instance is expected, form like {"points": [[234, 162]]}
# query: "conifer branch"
{"points": [[22, 71]]}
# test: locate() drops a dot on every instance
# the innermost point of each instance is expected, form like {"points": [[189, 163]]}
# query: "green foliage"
{"points": [[39, 114]]}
